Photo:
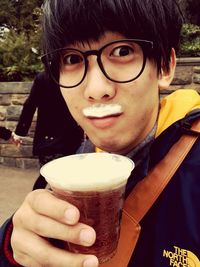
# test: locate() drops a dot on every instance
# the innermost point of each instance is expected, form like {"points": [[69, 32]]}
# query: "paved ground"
{"points": [[15, 183]]}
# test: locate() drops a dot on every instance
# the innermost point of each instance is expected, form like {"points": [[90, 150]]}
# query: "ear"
{"points": [[166, 76]]}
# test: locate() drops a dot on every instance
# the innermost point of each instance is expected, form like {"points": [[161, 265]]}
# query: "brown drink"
{"points": [[95, 184]]}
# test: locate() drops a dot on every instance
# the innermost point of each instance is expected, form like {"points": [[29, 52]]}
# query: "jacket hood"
{"points": [[175, 107]]}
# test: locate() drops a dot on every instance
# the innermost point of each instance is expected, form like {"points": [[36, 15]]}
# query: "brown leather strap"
{"points": [[145, 194], [147, 191]]}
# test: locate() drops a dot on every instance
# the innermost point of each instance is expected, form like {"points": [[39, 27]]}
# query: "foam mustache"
{"points": [[102, 110]]}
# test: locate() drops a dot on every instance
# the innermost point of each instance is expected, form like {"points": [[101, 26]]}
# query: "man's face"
{"points": [[120, 127]]}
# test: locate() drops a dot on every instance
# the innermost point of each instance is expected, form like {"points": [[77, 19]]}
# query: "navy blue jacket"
{"points": [[170, 234]]}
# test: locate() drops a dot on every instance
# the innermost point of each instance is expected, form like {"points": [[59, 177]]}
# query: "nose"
{"points": [[97, 86]]}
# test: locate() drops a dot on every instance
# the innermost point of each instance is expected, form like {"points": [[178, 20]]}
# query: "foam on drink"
{"points": [[90, 171]]}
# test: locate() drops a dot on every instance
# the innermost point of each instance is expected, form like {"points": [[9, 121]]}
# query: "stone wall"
{"points": [[13, 95], [187, 75]]}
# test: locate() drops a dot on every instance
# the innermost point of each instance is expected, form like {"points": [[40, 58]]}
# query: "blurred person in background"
{"points": [[54, 124]]}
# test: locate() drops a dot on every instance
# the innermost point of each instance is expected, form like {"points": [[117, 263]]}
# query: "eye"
{"points": [[71, 59], [122, 51]]}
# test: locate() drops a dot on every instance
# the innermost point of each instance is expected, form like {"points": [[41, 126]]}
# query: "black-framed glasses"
{"points": [[121, 61]]}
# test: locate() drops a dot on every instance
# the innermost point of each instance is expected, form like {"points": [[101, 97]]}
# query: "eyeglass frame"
{"points": [[97, 53]]}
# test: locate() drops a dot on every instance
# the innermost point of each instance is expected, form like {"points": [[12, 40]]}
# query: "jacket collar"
{"points": [[175, 107]]}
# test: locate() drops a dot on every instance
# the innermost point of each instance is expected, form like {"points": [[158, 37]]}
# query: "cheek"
{"points": [[148, 86], [71, 102], [73, 108], [144, 97]]}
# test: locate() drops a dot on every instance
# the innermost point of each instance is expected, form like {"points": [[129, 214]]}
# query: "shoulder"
{"points": [[171, 135], [45, 79]]}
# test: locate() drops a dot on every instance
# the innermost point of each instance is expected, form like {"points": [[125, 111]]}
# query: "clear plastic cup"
{"points": [[95, 184]]}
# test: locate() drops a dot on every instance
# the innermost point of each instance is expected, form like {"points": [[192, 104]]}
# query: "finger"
{"points": [[35, 247], [45, 203], [19, 144], [44, 226]]}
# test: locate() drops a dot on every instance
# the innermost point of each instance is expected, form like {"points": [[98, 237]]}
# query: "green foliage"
{"points": [[21, 19], [190, 40], [17, 61], [20, 15]]}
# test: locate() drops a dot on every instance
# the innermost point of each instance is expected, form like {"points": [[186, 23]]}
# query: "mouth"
{"points": [[103, 115], [104, 121], [102, 110]]}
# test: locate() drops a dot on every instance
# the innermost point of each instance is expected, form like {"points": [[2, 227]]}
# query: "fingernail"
{"points": [[70, 216], [87, 237], [91, 262]]}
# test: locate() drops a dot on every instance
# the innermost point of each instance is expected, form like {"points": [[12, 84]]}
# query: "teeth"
{"points": [[102, 110]]}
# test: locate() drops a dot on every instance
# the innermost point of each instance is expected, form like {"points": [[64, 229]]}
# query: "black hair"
{"points": [[70, 21]]}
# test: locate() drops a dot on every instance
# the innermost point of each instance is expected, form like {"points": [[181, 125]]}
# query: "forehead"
{"points": [[107, 37]]}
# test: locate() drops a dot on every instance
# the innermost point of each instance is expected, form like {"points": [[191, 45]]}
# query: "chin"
{"points": [[110, 146], [108, 142]]}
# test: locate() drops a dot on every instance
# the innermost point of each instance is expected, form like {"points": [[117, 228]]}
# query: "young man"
{"points": [[111, 59]]}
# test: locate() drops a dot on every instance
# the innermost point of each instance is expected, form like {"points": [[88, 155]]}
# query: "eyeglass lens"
{"points": [[120, 61]]}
